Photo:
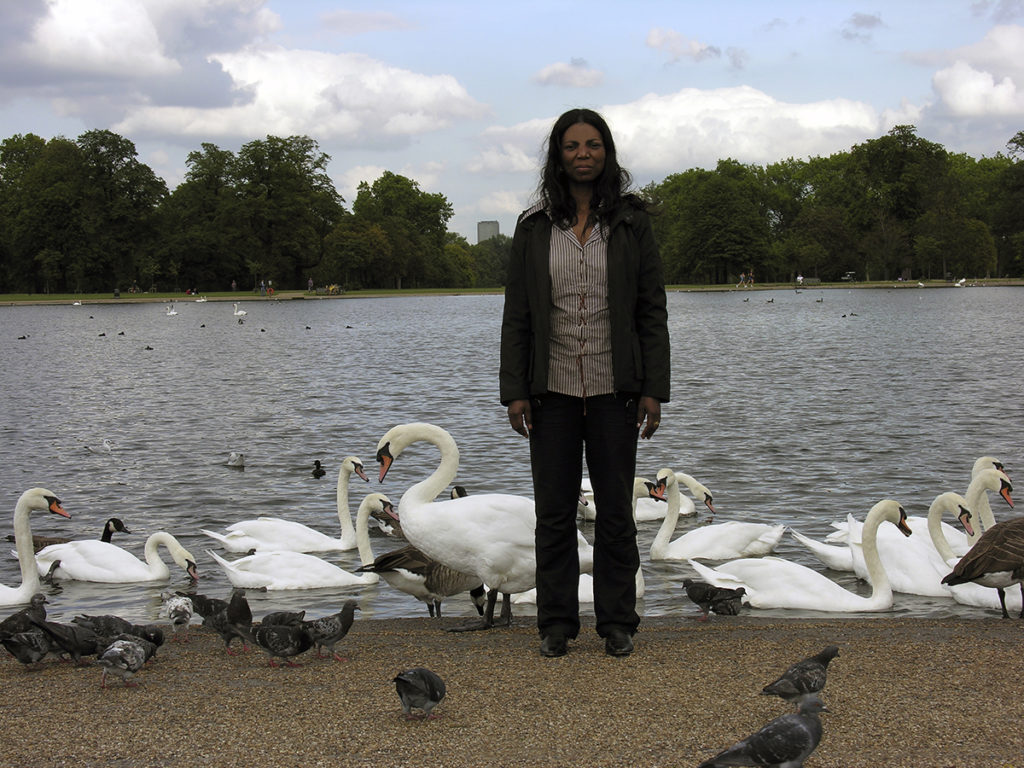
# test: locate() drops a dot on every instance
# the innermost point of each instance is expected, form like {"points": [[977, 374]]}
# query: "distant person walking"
{"points": [[743, 280]]}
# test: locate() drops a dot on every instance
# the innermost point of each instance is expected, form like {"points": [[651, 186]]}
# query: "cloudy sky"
{"points": [[459, 94]]}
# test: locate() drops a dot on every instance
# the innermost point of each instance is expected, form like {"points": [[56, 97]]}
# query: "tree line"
{"points": [[87, 216]]}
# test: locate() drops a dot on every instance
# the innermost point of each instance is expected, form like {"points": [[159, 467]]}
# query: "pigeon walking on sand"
{"points": [[803, 680], [20, 621], [282, 642], [231, 621], [179, 610], [328, 630], [721, 600], [29, 647], [419, 688], [123, 658], [785, 742]]}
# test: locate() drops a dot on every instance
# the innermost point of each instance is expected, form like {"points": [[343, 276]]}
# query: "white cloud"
{"points": [[986, 78], [332, 96], [680, 47], [500, 202], [662, 134], [575, 74], [113, 38]]}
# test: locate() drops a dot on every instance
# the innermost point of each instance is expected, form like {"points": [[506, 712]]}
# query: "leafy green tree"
{"points": [[415, 223]]}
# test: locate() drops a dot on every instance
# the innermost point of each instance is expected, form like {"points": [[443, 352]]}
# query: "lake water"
{"points": [[792, 407]]}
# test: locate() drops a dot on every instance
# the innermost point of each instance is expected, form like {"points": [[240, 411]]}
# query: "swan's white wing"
{"points": [[93, 560], [834, 557], [286, 570]]}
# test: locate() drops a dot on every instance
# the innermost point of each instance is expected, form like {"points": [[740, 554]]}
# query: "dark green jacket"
{"points": [[636, 304]]}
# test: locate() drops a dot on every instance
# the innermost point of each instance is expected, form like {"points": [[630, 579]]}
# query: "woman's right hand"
{"points": [[520, 416]]}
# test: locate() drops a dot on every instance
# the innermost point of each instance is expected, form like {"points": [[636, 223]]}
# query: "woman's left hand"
{"points": [[649, 409]]}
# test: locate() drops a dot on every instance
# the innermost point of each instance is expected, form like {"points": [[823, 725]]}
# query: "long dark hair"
{"points": [[609, 189]]}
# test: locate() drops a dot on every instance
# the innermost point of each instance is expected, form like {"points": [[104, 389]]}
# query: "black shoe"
{"points": [[618, 643], [553, 645]]}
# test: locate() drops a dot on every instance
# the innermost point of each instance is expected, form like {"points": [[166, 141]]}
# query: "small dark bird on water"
{"points": [[804, 680], [721, 600], [785, 742], [318, 471], [419, 688]]}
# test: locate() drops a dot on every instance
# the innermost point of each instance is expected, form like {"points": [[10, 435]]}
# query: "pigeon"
{"points": [[283, 618], [20, 620], [281, 642], [328, 630], [233, 620], [109, 625], [785, 742], [803, 680], [721, 600], [123, 658], [28, 647], [73, 639], [419, 688], [179, 610], [203, 605]]}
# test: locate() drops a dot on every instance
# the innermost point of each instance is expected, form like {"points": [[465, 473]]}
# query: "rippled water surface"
{"points": [[791, 407]]}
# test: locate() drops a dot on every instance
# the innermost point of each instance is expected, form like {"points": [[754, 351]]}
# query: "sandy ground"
{"points": [[903, 692]]}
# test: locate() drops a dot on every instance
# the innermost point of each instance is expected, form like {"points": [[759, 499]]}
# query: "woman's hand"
{"points": [[648, 409], [520, 416]]}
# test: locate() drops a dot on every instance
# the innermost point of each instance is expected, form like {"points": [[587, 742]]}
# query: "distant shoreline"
{"points": [[285, 295]]}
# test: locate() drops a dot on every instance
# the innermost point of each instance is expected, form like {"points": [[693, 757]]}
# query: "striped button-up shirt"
{"points": [[581, 348]]}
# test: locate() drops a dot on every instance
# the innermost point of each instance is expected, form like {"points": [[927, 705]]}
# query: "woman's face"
{"points": [[583, 153]]}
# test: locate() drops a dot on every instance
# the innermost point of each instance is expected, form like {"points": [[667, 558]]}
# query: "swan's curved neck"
{"points": [[427, 490], [362, 529], [869, 542], [978, 504], [152, 550], [668, 525], [943, 503], [344, 516], [26, 554]]}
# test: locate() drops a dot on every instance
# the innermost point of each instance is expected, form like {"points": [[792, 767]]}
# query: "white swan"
{"points": [[91, 560], [32, 500], [647, 509], [171, 311], [718, 541], [265, 534], [279, 570], [490, 535], [986, 474], [772, 582], [240, 312], [585, 593]]}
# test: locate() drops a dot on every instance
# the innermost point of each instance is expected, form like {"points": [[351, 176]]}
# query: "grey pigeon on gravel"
{"points": [[28, 647], [721, 600], [122, 658], [328, 630], [803, 680], [283, 618], [785, 742], [19, 620], [282, 642], [231, 621], [73, 639], [203, 605], [419, 688], [179, 610]]}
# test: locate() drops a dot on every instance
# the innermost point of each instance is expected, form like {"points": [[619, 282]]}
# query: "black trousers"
{"points": [[603, 427]]}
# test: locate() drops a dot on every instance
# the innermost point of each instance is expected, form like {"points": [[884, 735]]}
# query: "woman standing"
{"points": [[584, 366]]}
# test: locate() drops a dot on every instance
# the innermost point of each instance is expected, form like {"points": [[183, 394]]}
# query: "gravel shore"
{"points": [[903, 692]]}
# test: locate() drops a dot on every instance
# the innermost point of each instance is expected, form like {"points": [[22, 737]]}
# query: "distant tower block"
{"points": [[485, 230]]}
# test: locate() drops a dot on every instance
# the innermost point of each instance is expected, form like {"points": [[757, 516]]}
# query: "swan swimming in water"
{"points": [[279, 570], [489, 535], [772, 582], [240, 312], [32, 500], [718, 541], [93, 560], [265, 534]]}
